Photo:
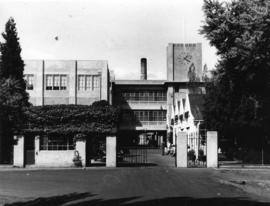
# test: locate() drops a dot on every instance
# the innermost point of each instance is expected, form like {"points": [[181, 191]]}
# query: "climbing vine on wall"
{"points": [[100, 117]]}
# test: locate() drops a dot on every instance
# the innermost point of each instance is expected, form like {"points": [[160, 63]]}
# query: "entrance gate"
{"points": [[196, 149], [132, 155], [136, 154]]}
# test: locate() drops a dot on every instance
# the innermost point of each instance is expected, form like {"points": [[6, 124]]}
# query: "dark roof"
{"points": [[196, 105]]}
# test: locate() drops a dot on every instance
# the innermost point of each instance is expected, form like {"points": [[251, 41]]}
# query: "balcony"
{"points": [[144, 125], [142, 104]]}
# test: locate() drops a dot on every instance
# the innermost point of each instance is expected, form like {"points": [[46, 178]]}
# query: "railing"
{"points": [[146, 102], [196, 150], [143, 102], [245, 156], [151, 123]]}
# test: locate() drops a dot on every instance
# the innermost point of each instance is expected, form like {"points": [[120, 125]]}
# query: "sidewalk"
{"points": [[238, 166], [254, 180]]}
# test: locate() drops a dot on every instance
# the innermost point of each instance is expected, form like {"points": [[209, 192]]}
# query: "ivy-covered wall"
{"points": [[99, 118]]}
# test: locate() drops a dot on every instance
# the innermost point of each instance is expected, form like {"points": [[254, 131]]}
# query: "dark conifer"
{"points": [[13, 95]]}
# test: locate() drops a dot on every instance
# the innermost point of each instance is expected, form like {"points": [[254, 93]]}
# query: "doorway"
{"points": [[29, 150]]}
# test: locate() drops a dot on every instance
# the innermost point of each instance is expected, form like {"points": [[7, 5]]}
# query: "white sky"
{"points": [[120, 31]]}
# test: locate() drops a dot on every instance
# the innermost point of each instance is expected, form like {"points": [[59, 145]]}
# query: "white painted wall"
{"points": [[181, 149], [212, 149], [58, 158], [18, 151], [111, 151], [81, 149]]}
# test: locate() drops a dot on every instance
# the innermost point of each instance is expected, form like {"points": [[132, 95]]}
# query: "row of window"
{"points": [[56, 143], [144, 96], [56, 82], [88, 82], [59, 82], [144, 115]]}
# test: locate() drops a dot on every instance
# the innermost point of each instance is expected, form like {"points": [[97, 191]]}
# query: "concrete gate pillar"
{"points": [[174, 136], [37, 145], [18, 151], [111, 151], [181, 149], [212, 149], [81, 149]]}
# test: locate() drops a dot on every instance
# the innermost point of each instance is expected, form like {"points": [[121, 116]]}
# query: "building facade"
{"points": [[153, 111], [144, 110], [66, 81]]}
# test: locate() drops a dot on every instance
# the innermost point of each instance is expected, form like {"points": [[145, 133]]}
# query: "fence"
{"points": [[245, 156], [196, 150]]}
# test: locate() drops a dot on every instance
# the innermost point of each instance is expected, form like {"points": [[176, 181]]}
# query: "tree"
{"points": [[237, 99], [13, 95]]}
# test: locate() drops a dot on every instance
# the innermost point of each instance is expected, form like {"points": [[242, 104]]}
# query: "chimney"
{"points": [[143, 69]]}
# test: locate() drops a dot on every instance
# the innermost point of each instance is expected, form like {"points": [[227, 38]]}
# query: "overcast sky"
{"points": [[120, 31]]}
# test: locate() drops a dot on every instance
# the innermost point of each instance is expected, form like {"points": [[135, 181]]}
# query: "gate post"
{"points": [[212, 149], [18, 151], [111, 151], [181, 149]]}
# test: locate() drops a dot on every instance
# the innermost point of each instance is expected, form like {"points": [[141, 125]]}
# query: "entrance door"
{"points": [[29, 150]]}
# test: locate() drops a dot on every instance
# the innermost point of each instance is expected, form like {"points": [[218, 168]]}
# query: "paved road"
{"points": [[157, 185]]}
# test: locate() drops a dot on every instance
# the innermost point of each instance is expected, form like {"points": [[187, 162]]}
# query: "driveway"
{"points": [[156, 185]]}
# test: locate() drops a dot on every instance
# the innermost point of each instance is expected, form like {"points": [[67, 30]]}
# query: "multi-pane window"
{"points": [[88, 82], [56, 82], [148, 96], [144, 115], [81, 82], [63, 82], [29, 78], [56, 143], [96, 81], [49, 82]]}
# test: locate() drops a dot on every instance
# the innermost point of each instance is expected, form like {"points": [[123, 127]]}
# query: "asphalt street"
{"points": [[162, 184]]}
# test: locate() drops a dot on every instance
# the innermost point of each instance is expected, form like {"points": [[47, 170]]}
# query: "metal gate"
{"points": [[132, 156], [196, 149]]}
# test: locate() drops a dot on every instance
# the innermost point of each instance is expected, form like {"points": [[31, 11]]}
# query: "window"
{"points": [[96, 82], [147, 96], [49, 82], [88, 82], [29, 78], [63, 82], [56, 82], [56, 143], [81, 82]]}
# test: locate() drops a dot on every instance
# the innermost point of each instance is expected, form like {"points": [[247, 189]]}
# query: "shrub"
{"points": [[191, 155]]}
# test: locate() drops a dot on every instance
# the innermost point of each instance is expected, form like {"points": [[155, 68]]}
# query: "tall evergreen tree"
{"points": [[237, 103], [13, 95]]}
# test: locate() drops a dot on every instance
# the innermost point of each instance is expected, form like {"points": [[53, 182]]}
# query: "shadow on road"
{"points": [[85, 199], [54, 200]]}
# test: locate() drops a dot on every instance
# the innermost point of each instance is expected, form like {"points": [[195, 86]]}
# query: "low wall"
{"points": [[58, 158]]}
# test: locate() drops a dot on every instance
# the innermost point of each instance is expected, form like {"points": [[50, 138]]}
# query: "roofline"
{"points": [[93, 60]]}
